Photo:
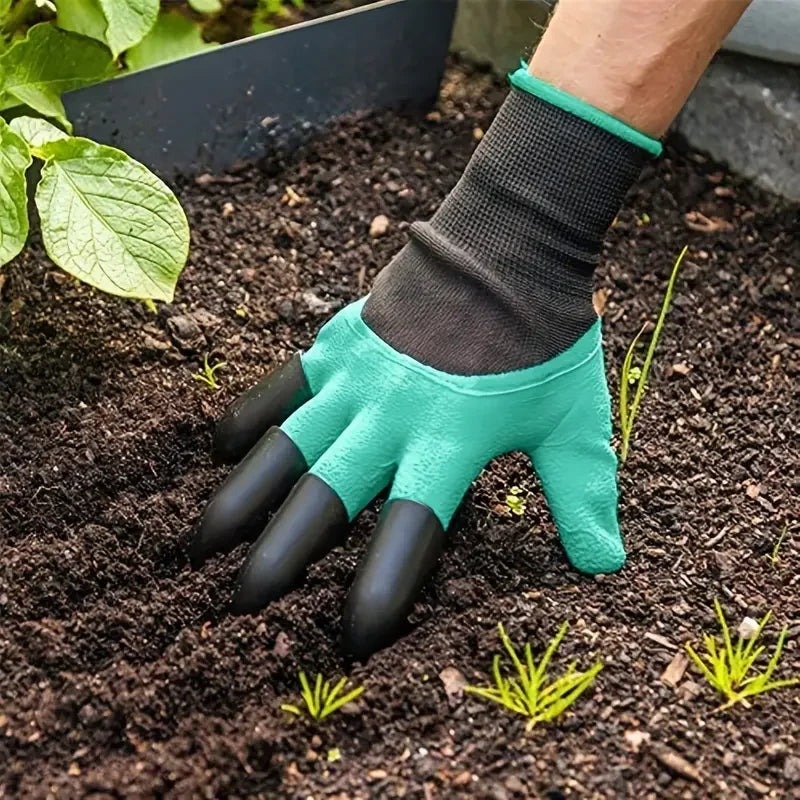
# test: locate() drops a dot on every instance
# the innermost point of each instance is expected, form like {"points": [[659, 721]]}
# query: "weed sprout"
{"points": [[634, 375], [774, 557], [515, 502], [530, 693], [727, 667], [323, 700], [207, 375]]}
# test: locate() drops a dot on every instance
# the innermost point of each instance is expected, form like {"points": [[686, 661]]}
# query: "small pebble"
{"points": [[407, 199], [791, 769], [514, 784], [748, 628], [379, 226]]}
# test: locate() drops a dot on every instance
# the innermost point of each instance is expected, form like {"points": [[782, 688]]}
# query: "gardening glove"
{"points": [[478, 339]]}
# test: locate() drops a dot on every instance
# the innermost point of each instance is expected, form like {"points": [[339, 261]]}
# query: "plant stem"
{"points": [[18, 16], [630, 413]]}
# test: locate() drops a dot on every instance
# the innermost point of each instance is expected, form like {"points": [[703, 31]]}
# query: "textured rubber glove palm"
{"points": [[379, 418], [359, 416]]}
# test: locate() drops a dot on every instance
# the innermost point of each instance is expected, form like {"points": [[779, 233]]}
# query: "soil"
{"points": [[122, 673], [235, 20]]}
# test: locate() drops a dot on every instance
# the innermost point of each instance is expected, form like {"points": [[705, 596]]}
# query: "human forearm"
{"points": [[635, 59]]}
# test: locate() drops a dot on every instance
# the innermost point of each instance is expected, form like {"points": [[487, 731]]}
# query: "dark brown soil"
{"points": [[122, 674], [235, 20]]}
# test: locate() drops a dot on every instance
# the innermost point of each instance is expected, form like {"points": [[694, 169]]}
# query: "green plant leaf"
{"points": [[641, 383], [107, 220], [173, 37], [269, 13], [318, 695], [82, 16], [5, 6], [129, 21], [306, 693], [342, 701], [48, 62], [36, 131], [15, 158], [333, 693], [120, 24], [206, 6]]}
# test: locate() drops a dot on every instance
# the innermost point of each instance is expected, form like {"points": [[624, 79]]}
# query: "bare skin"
{"points": [[635, 59]]}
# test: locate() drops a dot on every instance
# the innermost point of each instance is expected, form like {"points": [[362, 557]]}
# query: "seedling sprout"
{"points": [[774, 556], [530, 693], [635, 375], [323, 700], [207, 375], [515, 502], [727, 667]]}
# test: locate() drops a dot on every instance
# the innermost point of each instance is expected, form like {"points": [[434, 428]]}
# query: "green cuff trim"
{"points": [[522, 79]]}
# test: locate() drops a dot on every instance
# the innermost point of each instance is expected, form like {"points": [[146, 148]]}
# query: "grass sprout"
{"points": [[731, 669], [774, 557], [530, 692], [628, 409], [207, 375], [322, 700]]}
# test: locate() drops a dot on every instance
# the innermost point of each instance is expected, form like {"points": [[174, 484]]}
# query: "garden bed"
{"points": [[122, 675], [236, 19]]}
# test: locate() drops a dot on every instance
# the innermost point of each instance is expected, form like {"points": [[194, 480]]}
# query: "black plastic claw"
{"points": [[239, 508], [267, 403], [310, 522], [403, 550]]}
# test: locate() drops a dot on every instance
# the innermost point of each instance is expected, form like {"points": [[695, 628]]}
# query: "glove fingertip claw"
{"points": [[266, 404], [402, 552], [596, 555], [310, 522]]}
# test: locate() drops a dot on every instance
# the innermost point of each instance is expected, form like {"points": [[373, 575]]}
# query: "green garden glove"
{"points": [[479, 339]]}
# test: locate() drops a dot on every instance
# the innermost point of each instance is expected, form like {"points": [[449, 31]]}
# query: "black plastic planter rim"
{"points": [[210, 110]]}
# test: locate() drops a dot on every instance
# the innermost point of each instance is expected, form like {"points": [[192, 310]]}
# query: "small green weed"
{"points": [[323, 700], [530, 693], [634, 375], [207, 375], [727, 667], [774, 556], [515, 503], [334, 754]]}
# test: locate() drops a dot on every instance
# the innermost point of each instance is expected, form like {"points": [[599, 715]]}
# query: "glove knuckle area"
{"points": [[361, 461], [437, 472], [334, 350], [318, 423]]}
